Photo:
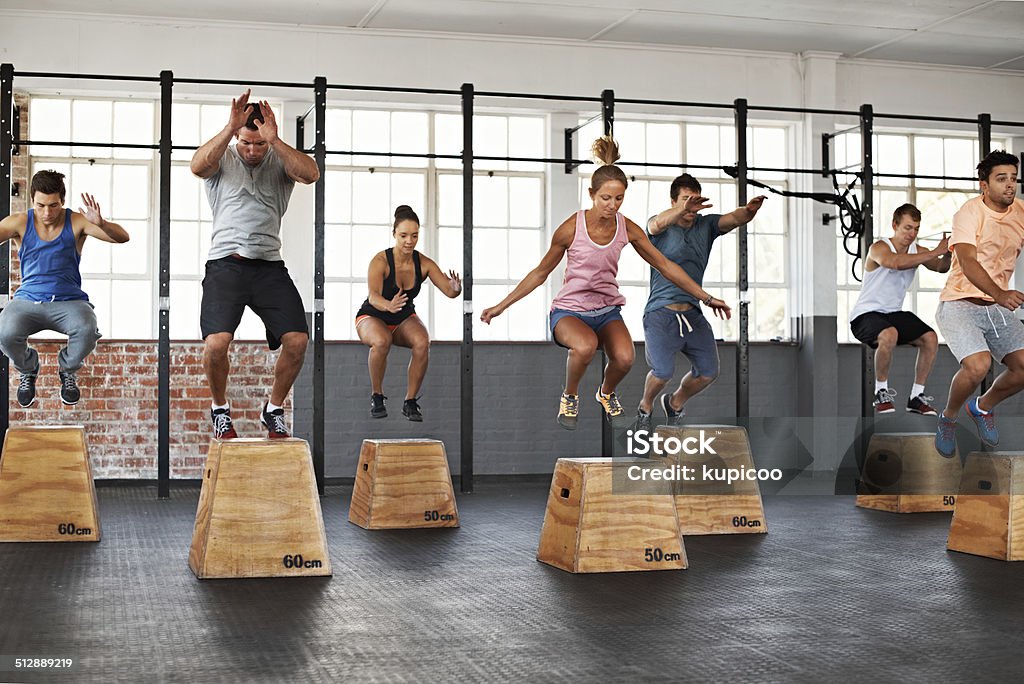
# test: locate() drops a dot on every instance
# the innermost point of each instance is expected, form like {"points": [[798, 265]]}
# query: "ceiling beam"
{"points": [[618, 22], [929, 27], [368, 17]]}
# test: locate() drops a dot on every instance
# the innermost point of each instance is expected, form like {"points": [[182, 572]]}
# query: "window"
{"points": [[363, 191], [937, 199], [644, 144], [117, 278]]}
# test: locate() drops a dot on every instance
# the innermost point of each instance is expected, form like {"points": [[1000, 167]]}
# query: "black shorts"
{"points": [[908, 326], [232, 284]]}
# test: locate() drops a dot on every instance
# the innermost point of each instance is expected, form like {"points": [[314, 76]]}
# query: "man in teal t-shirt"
{"points": [[673, 321]]}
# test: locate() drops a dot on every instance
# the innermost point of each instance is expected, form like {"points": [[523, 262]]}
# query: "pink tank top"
{"points": [[591, 269]]}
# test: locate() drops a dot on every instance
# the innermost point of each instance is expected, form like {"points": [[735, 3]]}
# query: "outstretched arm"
{"points": [[95, 225], [741, 216], [450, 284], [300, 167], [560, 242], [676, 275], [684, 203], [206, 160]]}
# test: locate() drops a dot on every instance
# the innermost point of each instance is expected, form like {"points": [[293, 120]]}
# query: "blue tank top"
{"points": [[49, 270]]}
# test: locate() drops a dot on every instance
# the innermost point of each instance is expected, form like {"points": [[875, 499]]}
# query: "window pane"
{"points": [[408, 188], [928, 161], [184, 130], [338, 134], [525, 202], [893, 157], [526, 138], [132, 256], [185, 194], [130, 192], [131, 309], [371, 198], [769, 315], [185, 298], [448, 139], [490, 201], [99, 296], [339, 315], [769, 150], [960, 155], [50, 120], [370, 130], [337, 196], [95, 258], [186, 249], [91, 122], [769, 258], [490, 252], [337, 263], [524, 252], [664, 144], [409, 134], [133, 124], [490, 139], [91, 178], [449, 200]]}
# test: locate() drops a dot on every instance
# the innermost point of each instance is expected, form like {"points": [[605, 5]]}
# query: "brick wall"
{"points": [[119, 403]]}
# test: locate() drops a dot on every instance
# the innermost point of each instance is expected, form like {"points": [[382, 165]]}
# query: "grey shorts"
{"points": [[973, 328]]}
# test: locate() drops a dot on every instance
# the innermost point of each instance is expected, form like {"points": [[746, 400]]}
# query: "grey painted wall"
{"points": [[517, 387]]}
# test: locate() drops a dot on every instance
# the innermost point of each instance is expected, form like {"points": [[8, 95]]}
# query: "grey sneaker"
{"points": [[644, 420], [69, 392], [671, 415], [26, 390]]}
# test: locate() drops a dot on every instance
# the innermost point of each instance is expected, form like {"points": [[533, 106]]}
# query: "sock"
{"points": [[215, 407], [981, 411], [271, 407], [916, 390], [881, 385]]}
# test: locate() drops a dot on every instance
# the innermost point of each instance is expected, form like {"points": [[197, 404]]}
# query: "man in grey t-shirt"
{"points": [[248, 185]]}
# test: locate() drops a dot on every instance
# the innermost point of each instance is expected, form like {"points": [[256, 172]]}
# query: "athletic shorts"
{"points": [[596, 320], [908, 327], [667, 332], [972, 328], [231, 284]]}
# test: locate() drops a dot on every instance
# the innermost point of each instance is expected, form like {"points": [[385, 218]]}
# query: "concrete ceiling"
{"points": [[970, 33]]}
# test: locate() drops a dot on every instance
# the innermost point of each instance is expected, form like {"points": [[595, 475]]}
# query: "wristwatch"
{"points": [[707, 302]]}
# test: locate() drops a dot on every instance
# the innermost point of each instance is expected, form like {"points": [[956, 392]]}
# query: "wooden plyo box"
{"points": [[592, 526], [46, 487], [403, 483], [903, 473], [988, 519], [709, 506], [259, 512]]}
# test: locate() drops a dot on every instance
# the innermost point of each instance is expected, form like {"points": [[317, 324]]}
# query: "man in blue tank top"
{"points": [[673, 321], [249, 185], [50, 240]]}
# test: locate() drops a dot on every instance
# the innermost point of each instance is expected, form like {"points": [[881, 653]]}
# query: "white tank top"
{"points": [[884, 288]]}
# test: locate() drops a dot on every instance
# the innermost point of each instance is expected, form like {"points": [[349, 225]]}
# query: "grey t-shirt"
{"points": [[248, 203]]}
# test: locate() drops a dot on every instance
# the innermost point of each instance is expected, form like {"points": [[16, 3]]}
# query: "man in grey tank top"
{"points": [[249, 185], [877, 319]]}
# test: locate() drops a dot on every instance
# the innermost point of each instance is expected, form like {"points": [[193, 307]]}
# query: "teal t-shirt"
{"points": [[690, 249]]}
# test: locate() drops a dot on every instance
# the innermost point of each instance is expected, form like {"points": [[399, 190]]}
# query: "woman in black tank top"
{"points": [[388, 316]]}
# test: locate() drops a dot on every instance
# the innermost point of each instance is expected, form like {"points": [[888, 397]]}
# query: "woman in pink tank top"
{"points": [[585, 315]]}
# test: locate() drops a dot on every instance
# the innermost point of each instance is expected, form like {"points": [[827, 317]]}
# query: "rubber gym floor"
{"points": [[831, 593]]}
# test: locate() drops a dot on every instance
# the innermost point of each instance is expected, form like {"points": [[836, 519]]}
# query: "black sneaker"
{"points": [[274, 422], [921, 404], [884, 400], [222, 426], [644, 421], [411, 410], [69, 393], [26, 390], [377, 407], [671, 415]]}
